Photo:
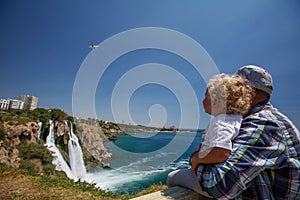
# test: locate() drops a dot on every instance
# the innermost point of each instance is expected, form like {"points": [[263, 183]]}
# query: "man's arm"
{"points": [[216, 155]]}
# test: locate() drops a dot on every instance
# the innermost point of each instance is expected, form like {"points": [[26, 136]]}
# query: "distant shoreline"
{"points": [[145, 129]]}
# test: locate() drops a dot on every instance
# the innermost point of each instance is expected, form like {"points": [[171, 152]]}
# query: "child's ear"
{"points": [[214, 102]]}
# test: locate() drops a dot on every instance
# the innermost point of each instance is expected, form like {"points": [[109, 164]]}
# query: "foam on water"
{"points": [[113, 179], [131, 173]]}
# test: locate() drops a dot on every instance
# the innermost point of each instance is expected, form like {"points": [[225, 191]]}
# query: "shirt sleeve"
{"points": [[221, 135]]}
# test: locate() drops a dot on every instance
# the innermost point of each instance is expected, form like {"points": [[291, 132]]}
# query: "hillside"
{"points": [[27, 170], [20, 184]]}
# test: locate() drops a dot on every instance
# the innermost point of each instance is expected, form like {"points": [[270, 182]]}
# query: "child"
{"points": [[227, 98]]}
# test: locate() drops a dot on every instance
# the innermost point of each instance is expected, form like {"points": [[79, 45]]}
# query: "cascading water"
{"points": [[77, 169], [40, 130], [75, 155]]}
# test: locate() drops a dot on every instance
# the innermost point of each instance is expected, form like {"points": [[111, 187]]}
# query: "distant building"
{"points": [[26, 102], [16, 104], [30, 102], [4, 104], [11, 104]]}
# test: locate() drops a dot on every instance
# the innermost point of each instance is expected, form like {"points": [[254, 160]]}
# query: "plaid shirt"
{"points": [[265, 160]]}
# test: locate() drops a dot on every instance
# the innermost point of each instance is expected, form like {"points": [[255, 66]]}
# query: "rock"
{"points": [[105, 165], [17, 133], [93, 138], [60, 128], [21, 133], [9, 155]]}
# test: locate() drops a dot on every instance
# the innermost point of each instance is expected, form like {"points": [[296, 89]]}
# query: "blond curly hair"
{"points": [[232, 92]]}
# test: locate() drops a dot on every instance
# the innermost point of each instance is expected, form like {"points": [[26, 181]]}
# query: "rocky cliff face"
{"points": [[110, 128], [16, 134], [21, 133], [93, 138]]}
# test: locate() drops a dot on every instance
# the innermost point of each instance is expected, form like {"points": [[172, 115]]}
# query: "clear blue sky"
{"points": [[44, 43]]}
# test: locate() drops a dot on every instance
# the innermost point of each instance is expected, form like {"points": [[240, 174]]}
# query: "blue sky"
{"points": [[43, 44]]}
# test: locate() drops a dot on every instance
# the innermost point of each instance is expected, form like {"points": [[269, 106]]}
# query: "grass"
{"points": [[16, 184]]}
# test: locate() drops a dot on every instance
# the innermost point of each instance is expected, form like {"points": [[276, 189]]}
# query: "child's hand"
{"points": [[195, 162]]}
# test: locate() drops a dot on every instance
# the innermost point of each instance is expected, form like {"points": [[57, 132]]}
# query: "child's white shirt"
{"points": [[220, 132]]}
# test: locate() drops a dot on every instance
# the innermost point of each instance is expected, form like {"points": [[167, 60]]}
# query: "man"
{"points": [[265, 159]]}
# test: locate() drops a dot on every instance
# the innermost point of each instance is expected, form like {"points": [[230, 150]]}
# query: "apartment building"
{"points": [[26, 102], [11, 104], [30, 102]]}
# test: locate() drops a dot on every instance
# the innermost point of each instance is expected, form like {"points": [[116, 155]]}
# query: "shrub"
{"points": [[57, 114], [2, 132], [35, 151], [29, 166]]}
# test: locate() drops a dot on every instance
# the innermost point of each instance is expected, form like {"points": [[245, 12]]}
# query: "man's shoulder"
{"points": [[265, 113], [268, 115]]}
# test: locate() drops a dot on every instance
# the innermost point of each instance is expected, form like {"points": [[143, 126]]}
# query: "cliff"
{"points": [[110, 128], [16, 134], [20, 146], [92, 138], [137, 128]]}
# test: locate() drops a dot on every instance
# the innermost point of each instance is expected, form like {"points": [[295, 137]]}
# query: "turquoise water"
{"points": [[143, 159]]}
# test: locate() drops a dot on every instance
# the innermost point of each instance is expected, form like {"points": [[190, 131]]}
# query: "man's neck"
{"points": [[259, 97]]}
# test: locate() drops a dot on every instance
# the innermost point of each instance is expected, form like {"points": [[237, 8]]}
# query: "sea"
{"points": [[142, 159]]}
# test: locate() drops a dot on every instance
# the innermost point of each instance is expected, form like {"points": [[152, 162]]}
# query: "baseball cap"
{"points": [[258, 77]]}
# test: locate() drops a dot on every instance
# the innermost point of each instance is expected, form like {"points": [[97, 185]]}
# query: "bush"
{"points": [[59, 115], [29, 166], [2, 132], [4, 167], [35, 151]]}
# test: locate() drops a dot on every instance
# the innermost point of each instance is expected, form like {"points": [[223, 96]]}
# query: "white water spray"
{"points": [[40, 130], [75, 155], [77, 169]]}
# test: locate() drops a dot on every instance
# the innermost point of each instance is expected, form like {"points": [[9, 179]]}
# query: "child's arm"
{"points": [[216, 155]]}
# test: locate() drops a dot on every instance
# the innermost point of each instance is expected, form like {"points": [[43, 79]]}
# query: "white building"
{"points": [[30, 102], [16, 104], [26, 102], [4, 104], [11, 104]]}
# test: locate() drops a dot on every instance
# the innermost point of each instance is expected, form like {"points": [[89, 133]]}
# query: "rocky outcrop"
{"points": [[110, 128], [137, 128], [17, 133], [60, 128], [93, 138], [9, 155]]}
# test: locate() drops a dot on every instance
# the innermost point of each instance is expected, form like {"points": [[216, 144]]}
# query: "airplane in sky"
{"points": [[93, 46]]}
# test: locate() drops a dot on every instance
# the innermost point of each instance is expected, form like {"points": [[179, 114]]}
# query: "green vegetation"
{"points": [[2, 132], [20, 184], [18, 117], [36, 159], [37, 178], [24, 185]]}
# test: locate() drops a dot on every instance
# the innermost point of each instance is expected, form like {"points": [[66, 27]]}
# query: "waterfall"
{"points": [[40, 130], [58, 161], [75, 155]]}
